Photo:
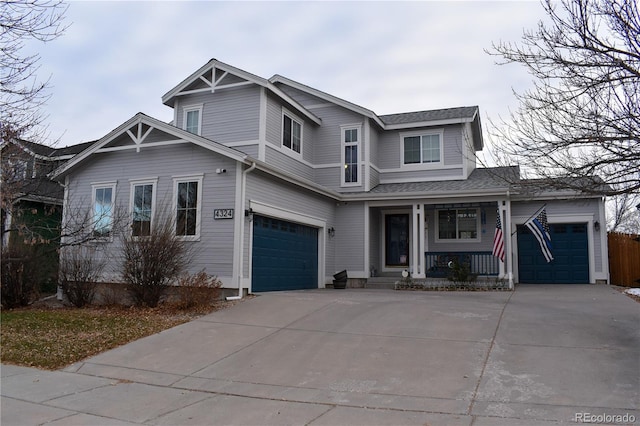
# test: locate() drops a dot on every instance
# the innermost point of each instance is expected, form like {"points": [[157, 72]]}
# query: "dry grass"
{"points": [[54, 338]]}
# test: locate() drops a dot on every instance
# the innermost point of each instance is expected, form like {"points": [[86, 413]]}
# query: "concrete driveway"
{"points": [[539, 355]]}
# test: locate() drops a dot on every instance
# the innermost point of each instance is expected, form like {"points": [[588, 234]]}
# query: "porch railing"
{"points": [[480, 262]]}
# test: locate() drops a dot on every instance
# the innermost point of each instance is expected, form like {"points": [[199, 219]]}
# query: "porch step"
{"points": [[381, 282]]}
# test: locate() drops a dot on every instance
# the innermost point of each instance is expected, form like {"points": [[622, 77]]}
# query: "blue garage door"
{"points": [[570, 251], [285, 255]]}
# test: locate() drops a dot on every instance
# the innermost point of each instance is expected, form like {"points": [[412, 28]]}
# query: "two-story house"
{"points": [[280, 185]]}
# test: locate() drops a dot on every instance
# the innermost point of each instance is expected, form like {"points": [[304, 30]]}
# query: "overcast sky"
{"points": [[119, 58]]}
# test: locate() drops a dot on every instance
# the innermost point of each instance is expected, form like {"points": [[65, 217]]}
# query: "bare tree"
{"points": [[579, 126], [624, 214], [21, 92]]}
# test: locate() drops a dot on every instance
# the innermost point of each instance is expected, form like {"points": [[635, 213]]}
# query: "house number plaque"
{"points": [[223, 214]]}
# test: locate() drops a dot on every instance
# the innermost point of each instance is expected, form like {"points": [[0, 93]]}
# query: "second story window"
{"points": [[351, 153], [291, 133], [193, 119], [422, 149]]}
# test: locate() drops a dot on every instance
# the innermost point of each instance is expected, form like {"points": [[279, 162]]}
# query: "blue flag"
{"points": [[540, 229]]}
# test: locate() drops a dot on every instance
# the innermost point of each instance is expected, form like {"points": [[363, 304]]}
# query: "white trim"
{"points": [[138, 147], [366, 139], [604, 245], [140, 182], [358, 145], [423, 166], [262, 127], [191, 108], [239, 222], [431, 123], [367, 239], [436, 226], [183, 179]]}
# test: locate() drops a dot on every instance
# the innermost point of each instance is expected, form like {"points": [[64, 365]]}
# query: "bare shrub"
{"points": [[198, 290], [80, 269], [23, 269], [151, 263]]}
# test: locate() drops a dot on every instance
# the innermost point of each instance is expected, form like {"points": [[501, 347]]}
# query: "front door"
{"points": [[396, 240]]}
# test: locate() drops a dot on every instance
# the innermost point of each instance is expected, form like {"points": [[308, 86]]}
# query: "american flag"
{"points": [[498, 239], [540, 229]]}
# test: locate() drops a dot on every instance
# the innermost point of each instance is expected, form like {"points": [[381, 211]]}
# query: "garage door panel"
{"points": [[285, 255], [570, 252]]}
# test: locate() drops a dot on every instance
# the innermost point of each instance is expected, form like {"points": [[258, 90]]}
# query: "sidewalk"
{"points": [[539, 355]]}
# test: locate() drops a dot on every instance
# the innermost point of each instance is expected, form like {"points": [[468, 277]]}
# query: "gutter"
{"points": [[243, 190]]}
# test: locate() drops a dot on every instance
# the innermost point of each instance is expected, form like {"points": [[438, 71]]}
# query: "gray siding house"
{"points": [[279, 186]]}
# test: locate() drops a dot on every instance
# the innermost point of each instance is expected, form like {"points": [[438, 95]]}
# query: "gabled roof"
{"points": [[216, 75], [407, 120], [135, 134]]}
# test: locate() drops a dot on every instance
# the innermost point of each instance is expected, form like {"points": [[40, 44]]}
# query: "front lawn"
{"points": [[54, 338]]}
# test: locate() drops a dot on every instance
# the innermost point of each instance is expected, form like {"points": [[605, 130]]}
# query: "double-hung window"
{"points": [[103, 202], [188, 199], [422, 148], [458, 224], [291, 133], [192, 120], [142, 206], [351, 155]]}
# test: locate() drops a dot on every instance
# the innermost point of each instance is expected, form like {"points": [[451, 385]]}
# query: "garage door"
{"points": [[285, 255], [570, 251]]}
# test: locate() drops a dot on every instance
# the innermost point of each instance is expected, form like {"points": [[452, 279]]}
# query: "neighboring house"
{"points": [[31, 205], [279, 186]]}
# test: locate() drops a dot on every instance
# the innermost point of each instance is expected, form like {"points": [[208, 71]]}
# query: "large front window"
{"points": [[291, 133], [142, 209], [187, 209], [103, 198], [421, 149], [188, 199], [458, 224]]}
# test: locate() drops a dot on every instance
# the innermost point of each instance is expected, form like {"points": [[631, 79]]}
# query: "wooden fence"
{"points": [[624, 259]]}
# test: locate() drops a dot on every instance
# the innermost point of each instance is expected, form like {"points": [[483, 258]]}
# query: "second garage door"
{"points": [[285, 255], [570, 251]]}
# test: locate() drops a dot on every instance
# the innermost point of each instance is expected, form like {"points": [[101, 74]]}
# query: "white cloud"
{"points": [[119, 58]]}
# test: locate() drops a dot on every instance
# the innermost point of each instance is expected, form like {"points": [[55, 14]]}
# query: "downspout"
{"points": [[243, 189]]}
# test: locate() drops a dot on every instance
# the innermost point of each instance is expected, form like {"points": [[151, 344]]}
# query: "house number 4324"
{"points": [[223, 214]]}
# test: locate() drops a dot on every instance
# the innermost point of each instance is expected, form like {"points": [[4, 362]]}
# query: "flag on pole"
{"points": [[540, 229], [498, 239]]}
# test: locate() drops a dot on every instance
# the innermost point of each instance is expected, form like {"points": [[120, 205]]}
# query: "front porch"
{"points": [[427, 239]]}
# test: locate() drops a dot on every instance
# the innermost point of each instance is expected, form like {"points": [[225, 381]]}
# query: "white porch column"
{"points": [[505, 208], [417, 239]]}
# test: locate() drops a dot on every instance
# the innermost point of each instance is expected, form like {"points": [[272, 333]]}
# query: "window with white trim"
{"points": [[188, 195], [350, 155], [142, 207], [103, 202], [422, 148], [192, 121], [291, 133], [458, 224]]}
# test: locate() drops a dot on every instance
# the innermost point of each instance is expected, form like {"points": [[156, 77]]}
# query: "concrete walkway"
{"points": [[537, 356]]}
